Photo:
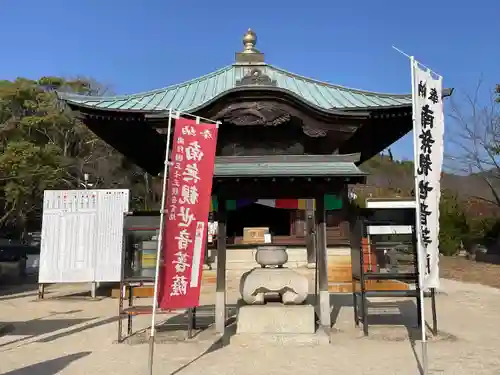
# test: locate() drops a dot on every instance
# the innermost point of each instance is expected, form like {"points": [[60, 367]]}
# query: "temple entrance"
{"points": [[258, 215]]}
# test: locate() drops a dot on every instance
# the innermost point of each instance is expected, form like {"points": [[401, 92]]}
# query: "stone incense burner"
{"points": [[272, 279], [268, 256]]}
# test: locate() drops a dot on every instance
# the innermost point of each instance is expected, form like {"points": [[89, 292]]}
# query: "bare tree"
{"points": [[389, 152], [474, 142]]}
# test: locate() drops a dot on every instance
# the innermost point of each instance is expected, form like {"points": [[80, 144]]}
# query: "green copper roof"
{"points": [[327, 169], [191, 95], [288, 165]]}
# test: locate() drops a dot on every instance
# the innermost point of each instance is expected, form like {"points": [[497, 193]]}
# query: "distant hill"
{"points": [[390, 178]]}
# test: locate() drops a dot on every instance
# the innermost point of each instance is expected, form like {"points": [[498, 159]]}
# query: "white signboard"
{"points": [[389, 229], [390, 203], [82, 234], [428, 132]]}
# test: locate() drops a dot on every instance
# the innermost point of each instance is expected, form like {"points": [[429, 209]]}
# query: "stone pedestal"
{"points": [[276, 318], [283, 322], [275, 323]]}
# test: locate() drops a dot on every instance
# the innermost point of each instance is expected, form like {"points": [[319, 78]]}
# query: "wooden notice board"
{"points": [[255, 235]]}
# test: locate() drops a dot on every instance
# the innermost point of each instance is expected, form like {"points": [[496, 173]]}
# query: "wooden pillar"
{"points": [[322, 264], [220, 287], [310, 243]]}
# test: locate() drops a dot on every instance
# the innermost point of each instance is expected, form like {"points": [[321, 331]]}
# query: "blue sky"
{"points": [[135, 46]]}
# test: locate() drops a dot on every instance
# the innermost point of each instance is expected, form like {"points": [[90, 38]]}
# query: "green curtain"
{"points": [[332, 202]]}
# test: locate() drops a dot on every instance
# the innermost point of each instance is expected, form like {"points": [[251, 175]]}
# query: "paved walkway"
{"points": [[75, 336]]}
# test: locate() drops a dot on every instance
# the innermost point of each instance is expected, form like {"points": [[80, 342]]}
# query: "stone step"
{"points": [[244, 259], [371, 286], [333, 287]]}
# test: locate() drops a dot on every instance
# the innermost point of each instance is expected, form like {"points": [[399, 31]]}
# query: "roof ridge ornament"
{"points": [[250, 41], [250, 55]]}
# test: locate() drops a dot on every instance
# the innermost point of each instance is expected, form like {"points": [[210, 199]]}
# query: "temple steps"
{"points": [[242, 260], [336, 283]]}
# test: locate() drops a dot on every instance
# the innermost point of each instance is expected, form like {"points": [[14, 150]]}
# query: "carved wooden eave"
{"points": [[257, 106], [128, 131], [129, 134], [294, 104], [254, 113]]}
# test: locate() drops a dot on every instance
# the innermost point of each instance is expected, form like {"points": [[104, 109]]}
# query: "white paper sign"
{"points": [[428, 131], [82, 235]]}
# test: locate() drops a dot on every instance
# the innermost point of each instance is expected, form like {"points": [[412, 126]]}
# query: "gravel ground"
{"points": [[462, 269], [76, 336]]}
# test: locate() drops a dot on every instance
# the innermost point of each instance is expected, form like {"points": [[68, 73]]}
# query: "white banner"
{"points": [[428, 129]]}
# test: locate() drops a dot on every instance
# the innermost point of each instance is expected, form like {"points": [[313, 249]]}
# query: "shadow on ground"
{"points": [[397, 313], [175, 328], [179, 327], [18, 288], [41, 326], [488, 258], [385, 318], [30, 330], [203, 319], [219, 343], [338, 301], [75, 330], [104, 291], [50, 367]]}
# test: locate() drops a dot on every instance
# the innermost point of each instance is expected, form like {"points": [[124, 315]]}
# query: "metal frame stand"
{"points": [[131, 310], [127, 309], [434, 312], [360, 297], [41, 291]]}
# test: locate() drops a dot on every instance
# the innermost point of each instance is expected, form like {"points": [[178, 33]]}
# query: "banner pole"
{"points": [[158, 251], [413, 59], [421, 262]]}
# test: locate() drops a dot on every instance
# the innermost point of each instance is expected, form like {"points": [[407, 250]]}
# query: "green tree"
{"points": [[484, 230], [43, 146], [32, 111], [453, 226], [26, 170]]}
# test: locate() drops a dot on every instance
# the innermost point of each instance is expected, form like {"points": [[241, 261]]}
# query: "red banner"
{"points": [[186, 219]]}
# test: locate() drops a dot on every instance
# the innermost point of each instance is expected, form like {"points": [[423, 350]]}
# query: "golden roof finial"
{"points": [[249, 41], [250, 54]]}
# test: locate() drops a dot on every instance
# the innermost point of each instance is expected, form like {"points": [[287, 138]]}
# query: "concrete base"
{"points": [[277, 319], [220, 312], [282, 339], [93, 290], [325, 311]]}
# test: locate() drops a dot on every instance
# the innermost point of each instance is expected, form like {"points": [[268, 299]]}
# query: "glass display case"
{"points": [[140, 259], [141, 241]]}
